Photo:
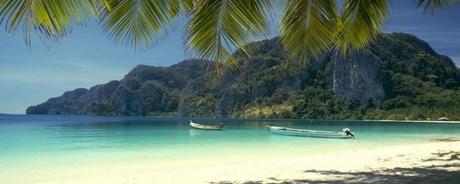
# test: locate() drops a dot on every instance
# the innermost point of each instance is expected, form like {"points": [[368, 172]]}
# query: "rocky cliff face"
{"points": [[143, 90], [356, 77], [268, 83]]}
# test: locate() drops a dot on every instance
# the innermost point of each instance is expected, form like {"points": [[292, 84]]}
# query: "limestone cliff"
{"points": [[396, 72]]}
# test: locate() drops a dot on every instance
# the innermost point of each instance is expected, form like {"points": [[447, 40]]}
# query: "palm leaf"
{"points": [[182, 5], [52, 18], [138, 23], [308, 27], [360, 22], [434, 4], [217, 27]]}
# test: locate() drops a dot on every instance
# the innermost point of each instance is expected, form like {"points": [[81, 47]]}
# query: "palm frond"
{"points": [[308, 27], [434, 4], [137, 23], [185, 6], [217, 27], [52, 18], [361, 21]]}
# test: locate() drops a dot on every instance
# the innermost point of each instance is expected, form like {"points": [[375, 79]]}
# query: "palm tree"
{"points": [[308, 28]]}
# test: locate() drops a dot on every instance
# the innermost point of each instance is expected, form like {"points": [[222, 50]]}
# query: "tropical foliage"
{"points": [[215, 27], [418, 84]]}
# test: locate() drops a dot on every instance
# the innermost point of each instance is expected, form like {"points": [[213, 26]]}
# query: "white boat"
{"points": [[205, 127], [443, 119], [345, 134]]}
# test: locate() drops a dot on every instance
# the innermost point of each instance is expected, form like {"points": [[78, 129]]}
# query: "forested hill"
{"points": [[397, 77]]}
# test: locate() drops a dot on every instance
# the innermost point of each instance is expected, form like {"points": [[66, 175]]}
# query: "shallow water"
{"points": [[33, 146]]}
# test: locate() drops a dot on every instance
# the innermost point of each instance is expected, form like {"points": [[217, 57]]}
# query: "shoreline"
{"points": [[397, 163], [232, 118]]}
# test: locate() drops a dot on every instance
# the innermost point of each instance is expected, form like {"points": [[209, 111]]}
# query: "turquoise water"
{"points": [[61, 142]]}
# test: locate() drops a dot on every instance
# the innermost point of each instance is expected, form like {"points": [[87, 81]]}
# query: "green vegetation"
{"points": [[417, 83]]}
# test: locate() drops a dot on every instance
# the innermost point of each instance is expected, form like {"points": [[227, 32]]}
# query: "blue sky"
{"points": [[88, 57]]}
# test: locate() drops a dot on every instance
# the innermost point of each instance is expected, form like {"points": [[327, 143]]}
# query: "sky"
{"points": [[31, 75]]}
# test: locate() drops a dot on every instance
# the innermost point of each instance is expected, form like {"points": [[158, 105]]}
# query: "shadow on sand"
{"points": [[432, 174], [447, 172]]}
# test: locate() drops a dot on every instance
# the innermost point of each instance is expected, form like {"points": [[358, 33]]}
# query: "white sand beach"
{"points": [[435, 162]]}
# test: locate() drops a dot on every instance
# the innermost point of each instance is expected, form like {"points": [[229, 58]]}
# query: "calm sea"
{"points": [[34, 147]]}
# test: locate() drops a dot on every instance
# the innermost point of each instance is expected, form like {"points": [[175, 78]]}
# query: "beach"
{"points": [[82, 150], [434, 162]]}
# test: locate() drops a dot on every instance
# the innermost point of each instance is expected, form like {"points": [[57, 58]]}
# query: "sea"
{"points": [[41, 148]]}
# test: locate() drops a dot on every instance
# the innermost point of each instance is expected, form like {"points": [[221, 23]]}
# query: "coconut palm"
{"points": [[308, 28]]}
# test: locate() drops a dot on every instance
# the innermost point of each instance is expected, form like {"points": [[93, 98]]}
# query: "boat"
{"points": [[345, 134], [206, 127], [443, 119]]}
